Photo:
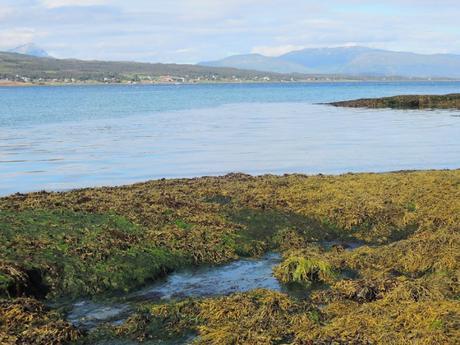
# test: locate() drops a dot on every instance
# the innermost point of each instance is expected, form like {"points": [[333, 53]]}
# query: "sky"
{"points": [[189, 31]]}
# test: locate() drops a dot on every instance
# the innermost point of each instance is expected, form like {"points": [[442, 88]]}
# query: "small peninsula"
{"points": [[450, 101]]}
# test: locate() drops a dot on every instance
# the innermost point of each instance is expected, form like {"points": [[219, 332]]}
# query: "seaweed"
{"points": [[306, 267], [111, 240], [27, 321]]}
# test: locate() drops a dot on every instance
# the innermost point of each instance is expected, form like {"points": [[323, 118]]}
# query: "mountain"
{"points": [[352, 61], [327, 60], [259, 62], [30, 49]]}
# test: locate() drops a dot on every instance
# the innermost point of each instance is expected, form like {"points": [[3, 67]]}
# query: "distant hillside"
{"points": [[13, 65], [259, 62], [352, 61], [20, 68], [30, 49]]}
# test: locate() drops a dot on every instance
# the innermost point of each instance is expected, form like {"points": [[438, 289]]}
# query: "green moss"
{"points": [[183, 225], [5, 283], [81, 253]]}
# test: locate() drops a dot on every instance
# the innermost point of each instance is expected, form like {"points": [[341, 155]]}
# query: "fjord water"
{"points": [[58, 138]]}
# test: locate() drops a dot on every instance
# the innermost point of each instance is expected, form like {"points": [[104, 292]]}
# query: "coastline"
{"points": [[222, 176], [14, 84], [96, 83]]}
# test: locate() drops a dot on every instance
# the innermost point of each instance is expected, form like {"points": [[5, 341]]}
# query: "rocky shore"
{"points": [[451, 101]]}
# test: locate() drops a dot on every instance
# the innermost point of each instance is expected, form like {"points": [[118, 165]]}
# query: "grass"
{"points": [[111, 240]]}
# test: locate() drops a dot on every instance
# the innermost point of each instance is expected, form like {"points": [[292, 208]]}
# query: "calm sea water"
{"points": [[57, 138]]}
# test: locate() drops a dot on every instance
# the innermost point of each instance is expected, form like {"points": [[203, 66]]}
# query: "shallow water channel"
{"points": [[205, 281], [238, 276]]}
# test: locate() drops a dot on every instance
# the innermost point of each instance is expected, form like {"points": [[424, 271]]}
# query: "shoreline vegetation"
{"points": [[450, 101], [98, 242]]}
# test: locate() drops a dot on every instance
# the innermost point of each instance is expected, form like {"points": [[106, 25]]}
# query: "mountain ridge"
{"points": [[30, 49], [356, 60], [17, 69], [258, 62]]}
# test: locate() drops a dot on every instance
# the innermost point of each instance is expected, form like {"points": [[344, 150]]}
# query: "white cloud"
{"points": [[5, 11], [64, 3], [183, 50], [275, 50], [16, 37], [165, 30]]}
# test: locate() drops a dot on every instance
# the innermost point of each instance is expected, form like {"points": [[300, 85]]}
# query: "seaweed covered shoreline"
{"points": [[96, 241], [451, 101]]}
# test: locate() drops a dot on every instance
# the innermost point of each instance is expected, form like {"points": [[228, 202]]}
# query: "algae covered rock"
{"points": [[27, 321], [451, 101]]}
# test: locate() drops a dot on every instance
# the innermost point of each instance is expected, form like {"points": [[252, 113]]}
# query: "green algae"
{"points": [[79, 253]]}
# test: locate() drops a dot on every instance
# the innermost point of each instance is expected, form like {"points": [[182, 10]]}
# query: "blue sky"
{"points": [[188, 31]]}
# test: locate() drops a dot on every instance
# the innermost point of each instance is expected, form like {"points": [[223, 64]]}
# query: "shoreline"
{"points": [[13, 84], [223, 176], [445, 101]]}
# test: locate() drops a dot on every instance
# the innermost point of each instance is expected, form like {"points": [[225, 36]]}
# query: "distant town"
{"points": [[21, 80], [163, 79], [146, 79]]}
